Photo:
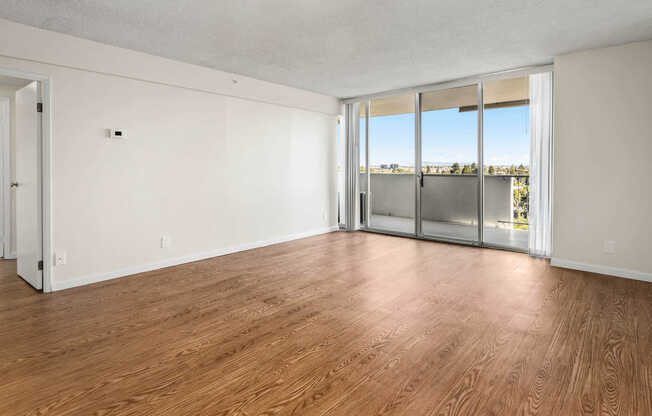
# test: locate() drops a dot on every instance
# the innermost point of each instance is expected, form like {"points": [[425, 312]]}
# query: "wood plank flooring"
{"points": [[339, 324]]}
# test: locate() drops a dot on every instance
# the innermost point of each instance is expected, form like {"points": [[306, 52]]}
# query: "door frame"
{"points": [[418, 156], [364, 226], [5, 161], [418, 165], [46, 170]]}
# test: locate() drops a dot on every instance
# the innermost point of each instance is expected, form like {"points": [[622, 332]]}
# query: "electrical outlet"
{"points": [[60, 258], [609, 246], [165, 241]]}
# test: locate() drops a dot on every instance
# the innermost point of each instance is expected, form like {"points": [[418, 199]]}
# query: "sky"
{"points": [[449, 136]]}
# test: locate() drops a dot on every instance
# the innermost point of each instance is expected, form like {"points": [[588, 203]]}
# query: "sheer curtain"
{"points": [[540, 210]]}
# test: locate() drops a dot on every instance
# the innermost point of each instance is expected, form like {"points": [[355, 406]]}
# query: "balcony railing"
{"points": [[452, 198]]}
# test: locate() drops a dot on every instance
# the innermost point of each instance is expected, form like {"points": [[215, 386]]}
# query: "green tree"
{"points": [[492, 170], [427, 169], [521, 203], [455, 168], [474, 168]]}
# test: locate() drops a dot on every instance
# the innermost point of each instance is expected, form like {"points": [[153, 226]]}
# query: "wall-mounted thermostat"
{"points": [[116, 134]]}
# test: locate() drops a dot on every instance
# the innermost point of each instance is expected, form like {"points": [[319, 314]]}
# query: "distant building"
{"points": [[389, 166]]}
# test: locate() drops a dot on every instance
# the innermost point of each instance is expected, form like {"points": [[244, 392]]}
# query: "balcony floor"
{"points": [[500, 236]]}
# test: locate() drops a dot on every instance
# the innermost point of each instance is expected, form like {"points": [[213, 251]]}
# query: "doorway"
{"points": [[24, 177]]}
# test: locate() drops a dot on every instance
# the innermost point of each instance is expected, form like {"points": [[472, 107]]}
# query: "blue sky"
{"points": [[450, 136]]}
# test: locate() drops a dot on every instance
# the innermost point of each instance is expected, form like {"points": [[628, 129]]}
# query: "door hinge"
{"points": [[39, 107], [40, 264]]}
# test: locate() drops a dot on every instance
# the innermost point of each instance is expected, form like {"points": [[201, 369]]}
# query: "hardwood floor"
{"points": [[339, 324]]}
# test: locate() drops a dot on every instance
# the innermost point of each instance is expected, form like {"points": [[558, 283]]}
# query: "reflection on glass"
{"points": [[449, 143], [506, 162], [391, 163]]}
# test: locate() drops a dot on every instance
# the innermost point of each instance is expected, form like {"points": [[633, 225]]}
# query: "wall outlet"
{"points": [[60, 258], [609, 247], [166, 241]]}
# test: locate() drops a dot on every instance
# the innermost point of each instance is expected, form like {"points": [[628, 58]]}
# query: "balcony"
{"points": [[449, 205]]}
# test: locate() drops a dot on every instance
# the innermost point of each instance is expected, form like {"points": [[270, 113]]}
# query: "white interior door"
{"points": [[27, 186]]}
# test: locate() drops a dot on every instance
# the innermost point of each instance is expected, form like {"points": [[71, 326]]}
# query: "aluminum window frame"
{"points": [[478, 80]]}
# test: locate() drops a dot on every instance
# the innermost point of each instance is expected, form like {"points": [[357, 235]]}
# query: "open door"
{"points": [[27, 187]]}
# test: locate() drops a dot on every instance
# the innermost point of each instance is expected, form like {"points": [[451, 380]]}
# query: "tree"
{"points": [[474, 168], [492, 170], [427, 169], [467, 170], [455, 168]]}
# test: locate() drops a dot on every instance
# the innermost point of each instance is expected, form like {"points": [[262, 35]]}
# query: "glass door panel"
{"points": [[449, 180], [506, 162], [391, 164]]}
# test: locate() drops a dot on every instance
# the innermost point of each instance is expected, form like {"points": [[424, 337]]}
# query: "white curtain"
{"points": [[540, 212], [352, 165]]}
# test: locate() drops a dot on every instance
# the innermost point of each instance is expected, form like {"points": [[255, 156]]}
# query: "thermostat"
{"points": [[116, 134]]}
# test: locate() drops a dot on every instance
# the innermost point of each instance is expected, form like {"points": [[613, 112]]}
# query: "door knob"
{"points": [[14, 185]]}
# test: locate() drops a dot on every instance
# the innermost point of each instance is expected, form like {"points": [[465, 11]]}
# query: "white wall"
{"points": [[603, 153], [213, 164]]}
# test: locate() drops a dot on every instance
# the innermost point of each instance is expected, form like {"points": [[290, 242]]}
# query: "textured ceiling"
{"points": [[346, 48]]}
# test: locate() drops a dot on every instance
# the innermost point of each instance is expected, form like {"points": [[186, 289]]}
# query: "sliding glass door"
{"points": [[506, 163], [448, 164], [391, 173], [449, 180]]}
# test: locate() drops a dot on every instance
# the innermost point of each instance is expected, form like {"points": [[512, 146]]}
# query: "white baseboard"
{"points": [[99, 277], [596, 268]]}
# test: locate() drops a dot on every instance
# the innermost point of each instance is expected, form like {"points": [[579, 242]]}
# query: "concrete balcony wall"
{"points": [[444, 198], [391, 195], [450, 199], [498, 201]]}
